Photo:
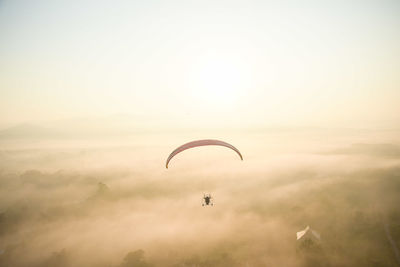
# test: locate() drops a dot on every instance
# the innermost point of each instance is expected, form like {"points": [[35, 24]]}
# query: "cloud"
{"points": [[379, 150], [120, 214]]}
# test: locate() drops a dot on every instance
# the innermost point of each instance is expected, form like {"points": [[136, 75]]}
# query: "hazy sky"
{"points": [[241, 62]]}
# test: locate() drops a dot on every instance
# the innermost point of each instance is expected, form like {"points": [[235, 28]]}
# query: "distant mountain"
{"points": [[77, 128], [383, 150], [28, 131]]}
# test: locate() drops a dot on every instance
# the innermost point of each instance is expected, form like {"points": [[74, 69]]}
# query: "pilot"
{"points": [[207, 200]]}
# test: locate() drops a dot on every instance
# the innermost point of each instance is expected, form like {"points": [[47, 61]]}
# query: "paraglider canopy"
{"points": [[205, 142]]}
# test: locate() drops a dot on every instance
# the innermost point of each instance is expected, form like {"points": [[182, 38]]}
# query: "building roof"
{"points": [[308, 233]]}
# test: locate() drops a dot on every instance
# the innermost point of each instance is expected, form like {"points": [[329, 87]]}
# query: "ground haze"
{"points": [[68, 204]]}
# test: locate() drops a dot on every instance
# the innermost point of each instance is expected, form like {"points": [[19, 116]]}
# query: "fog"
{"points": [[111, 202]]}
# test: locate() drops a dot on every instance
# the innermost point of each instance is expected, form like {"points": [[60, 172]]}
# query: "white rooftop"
{"points": [[308, 233]]}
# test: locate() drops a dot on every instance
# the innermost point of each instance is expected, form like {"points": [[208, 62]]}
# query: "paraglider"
{"points": [[207, 198], [205, 142]]}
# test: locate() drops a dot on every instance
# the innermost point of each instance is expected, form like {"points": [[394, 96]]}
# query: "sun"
{"points": [[217, 84]]}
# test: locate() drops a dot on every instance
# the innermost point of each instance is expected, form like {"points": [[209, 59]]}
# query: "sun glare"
{"points": [[217, 84]]}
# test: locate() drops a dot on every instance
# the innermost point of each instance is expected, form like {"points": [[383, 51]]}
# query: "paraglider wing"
{"points": [[206, 142]]}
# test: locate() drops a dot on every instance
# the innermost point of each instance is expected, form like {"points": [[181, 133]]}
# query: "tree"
{"points": [[135, 259]]}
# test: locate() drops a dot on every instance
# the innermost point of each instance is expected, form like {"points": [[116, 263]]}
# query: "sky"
{"points": [[207, 63], [94, 96]]}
